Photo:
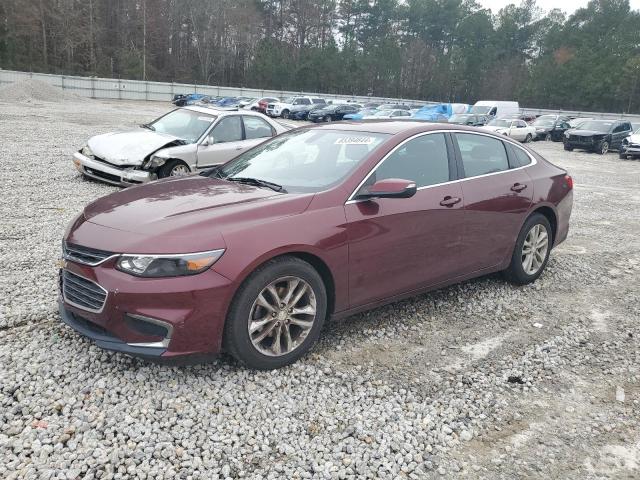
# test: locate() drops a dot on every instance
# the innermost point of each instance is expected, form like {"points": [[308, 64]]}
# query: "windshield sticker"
{"points": [[354, 141], [206, 119]]}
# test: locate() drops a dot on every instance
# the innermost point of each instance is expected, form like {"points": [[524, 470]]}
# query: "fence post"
{"points": [[119, 90], [62, 82], [93, 87], [146, 91]]}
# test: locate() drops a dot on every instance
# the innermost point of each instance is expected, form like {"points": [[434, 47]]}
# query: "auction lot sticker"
{"points": [[354, 141]]}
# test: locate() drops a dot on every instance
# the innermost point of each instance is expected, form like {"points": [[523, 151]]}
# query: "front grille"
{"points": [[82, 293], [271, 105], [579, 139], [84, 255]]}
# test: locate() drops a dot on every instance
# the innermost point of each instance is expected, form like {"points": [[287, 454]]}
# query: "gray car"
{"points": [[183, 141]]}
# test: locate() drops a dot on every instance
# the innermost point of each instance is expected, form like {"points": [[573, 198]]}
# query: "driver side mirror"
{"points": [[209, 140], [389, 188]]}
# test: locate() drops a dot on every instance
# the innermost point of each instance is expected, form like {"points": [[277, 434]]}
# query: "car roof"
{"points": [[213, 110], [392, 127]]}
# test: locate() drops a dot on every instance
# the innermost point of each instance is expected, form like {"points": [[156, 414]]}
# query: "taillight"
{"points": [[568, 181]]}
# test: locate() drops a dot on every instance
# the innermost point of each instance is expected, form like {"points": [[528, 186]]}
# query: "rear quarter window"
{"points": [[519, 158]]}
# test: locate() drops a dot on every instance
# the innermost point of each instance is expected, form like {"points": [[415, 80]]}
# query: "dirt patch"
{"points": [[31, 91]]}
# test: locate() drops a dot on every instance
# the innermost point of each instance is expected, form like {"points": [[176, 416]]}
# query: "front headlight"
{"points": [[178, 265], [86, 151], [155, 161]]}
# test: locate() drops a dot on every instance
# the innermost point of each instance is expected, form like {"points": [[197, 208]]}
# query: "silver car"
{"points": [[183, 141]]}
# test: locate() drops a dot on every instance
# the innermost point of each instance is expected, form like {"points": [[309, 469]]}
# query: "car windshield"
{"points": [[596, 126], [383, 113], [304, 160], [482, 110], [499, 123], [544, 122], [185, 124]]}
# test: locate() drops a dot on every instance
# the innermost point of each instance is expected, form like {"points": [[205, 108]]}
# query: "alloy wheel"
{"points": [[282, 316], [534, 249], [604, 148], [178, 170], [327, 118], [547, 137], [528, 139]]}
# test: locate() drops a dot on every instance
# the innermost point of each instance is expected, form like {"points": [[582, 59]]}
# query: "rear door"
{"points": [[497, 195], [398, 245], [224, 142], [256, 130]]}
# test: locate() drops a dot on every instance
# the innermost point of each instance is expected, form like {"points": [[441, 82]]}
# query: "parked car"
{"points": [[495, 108], [246, 102], [182, 100], [360, 114], [551, 127], [260, 105], [630, 146], [183, 141], [282, 109], [516, 129], [527, 117], [469, 119], [382, 114], [371, 105], [301, 112], [319, 222], [331, 113], [598, 136], [393, 106]]}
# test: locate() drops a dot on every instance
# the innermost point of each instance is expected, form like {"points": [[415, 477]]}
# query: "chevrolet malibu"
{"points": [[252, 257]]}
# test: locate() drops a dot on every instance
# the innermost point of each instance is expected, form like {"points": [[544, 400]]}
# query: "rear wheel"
{"points": [[528, 138], [327, 118], [285, 114], [276, 315], [548, 137], [173, 168], [531, 252]]}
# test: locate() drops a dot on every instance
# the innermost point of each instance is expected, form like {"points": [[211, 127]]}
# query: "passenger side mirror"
{"points": [[389, 188]]}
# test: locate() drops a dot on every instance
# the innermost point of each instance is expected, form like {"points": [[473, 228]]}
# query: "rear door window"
{"points": [[256, 127], [519, 158], [481, 154]]}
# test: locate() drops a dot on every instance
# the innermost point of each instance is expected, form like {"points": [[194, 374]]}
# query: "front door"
{"points": [[399, 245], [224, 142], [497, 198]]}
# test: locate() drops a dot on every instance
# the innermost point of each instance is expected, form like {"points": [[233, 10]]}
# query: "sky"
{"points": [[569, 6]]}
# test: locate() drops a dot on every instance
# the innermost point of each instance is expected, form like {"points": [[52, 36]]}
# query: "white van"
{"points": [[495, 108]]}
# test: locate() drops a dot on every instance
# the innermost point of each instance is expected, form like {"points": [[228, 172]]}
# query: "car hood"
{"points": [[493, 128], [635, 138], [130, 148], [188, 214], [586, 133]]}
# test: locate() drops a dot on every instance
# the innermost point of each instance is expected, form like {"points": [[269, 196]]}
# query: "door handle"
{"points": [[518, 187], [449, 201]]}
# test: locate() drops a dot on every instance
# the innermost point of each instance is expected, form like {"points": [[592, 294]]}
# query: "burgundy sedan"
{"points": [[253, 256]]}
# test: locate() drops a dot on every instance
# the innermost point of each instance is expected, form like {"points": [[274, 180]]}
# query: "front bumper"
{"points": [[630, 149], [191, 309], [109, 173]]}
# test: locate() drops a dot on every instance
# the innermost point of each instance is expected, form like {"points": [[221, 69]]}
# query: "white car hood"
{"points": [[130, 148], [635, 138]]}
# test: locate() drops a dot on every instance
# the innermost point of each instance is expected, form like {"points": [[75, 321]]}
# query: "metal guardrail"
{"points": [[111, 88]]}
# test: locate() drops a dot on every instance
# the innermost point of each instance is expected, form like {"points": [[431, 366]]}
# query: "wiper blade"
{"points": [[213, 172], [149, 127], [258, 183]]}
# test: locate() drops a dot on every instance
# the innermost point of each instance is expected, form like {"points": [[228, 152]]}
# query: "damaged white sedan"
{"points": [[183, 141]]}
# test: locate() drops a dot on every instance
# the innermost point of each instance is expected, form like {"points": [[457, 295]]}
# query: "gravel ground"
{"points": [[479, 380]]}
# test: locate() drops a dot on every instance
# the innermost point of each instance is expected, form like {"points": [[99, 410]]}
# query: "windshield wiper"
{"points": [[258, 183], [147, 126]]}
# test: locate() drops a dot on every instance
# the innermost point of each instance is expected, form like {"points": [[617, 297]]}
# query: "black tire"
{"points": [[603, 148], [568, 148], [622, 156], [515, 272], [327, 118], [528, 138], [548, 137], [168, 169], [237, 340], [285, 114]]}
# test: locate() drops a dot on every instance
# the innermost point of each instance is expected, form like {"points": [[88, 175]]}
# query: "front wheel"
{"points": [[285, 114], [548, 137], [623, 156], [327, 118], [603, 148], [173, 168], [528, 138], [531, 252], [276, 315]]}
